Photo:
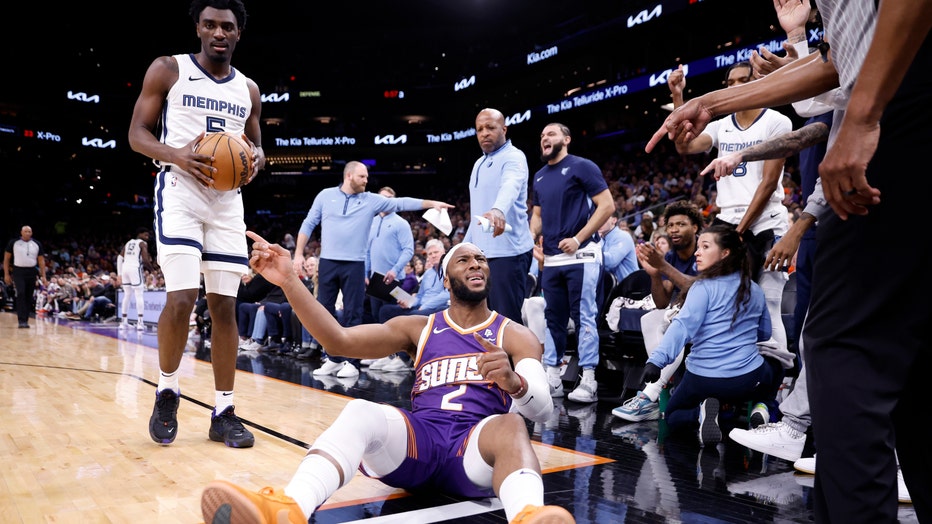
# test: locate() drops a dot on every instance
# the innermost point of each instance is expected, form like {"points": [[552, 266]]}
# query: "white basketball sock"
{"points": [[316, 479], [168, 381], [520, 488]]}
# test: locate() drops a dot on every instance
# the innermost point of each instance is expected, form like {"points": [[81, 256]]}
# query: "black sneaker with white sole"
{"points": [[709, 431], [163, 424], [229, 429]]}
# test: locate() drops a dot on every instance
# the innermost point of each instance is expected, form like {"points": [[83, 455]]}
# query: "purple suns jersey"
{"points": [[446, 374]]}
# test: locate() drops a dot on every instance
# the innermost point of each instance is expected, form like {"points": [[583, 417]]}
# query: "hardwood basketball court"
{"points": [[75, 408]]}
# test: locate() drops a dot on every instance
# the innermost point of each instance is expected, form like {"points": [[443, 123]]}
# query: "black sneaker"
{"points": [[227, 428], [709, 431], [163, 424]]}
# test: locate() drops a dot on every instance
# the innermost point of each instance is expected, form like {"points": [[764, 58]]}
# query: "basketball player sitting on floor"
{"points": [[460, 436]]}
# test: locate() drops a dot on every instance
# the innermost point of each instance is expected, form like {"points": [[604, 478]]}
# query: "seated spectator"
{"points": [[252, 289], [418, 262], [62, 299], [100, 297], [307, 343], [646, 227], [409, 283], [431, 297], [662, 243], [618, 253], [277, 313]]}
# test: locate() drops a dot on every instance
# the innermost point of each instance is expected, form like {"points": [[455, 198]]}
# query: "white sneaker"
{"points": [[347, 370], [774, 439], [397, 364], [140, 326], [252, 345], [585, 391], [556, 386], [805, 465], [555, 381], [328, 367], [379, 363], [367, 361]]}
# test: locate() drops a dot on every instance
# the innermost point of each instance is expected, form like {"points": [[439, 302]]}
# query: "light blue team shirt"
{"points": [[347, 220], [618, 254], [719, 349], [499, 180], [431, 294], [391, 245]]}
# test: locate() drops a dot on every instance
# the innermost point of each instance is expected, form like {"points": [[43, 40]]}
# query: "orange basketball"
{"points": [[232, 158]]}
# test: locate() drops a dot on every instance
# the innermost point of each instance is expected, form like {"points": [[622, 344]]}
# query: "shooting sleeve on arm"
{"points": [[536, 403]]}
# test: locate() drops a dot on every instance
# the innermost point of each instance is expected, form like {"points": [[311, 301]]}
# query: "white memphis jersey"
{"points": [[735, 192], [199, 102], [132, 258]]}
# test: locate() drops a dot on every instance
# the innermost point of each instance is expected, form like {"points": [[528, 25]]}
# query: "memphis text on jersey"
{"points": [[210, 104]]}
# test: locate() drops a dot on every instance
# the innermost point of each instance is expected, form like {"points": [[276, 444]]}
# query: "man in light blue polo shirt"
{"points": [[498, 188], [619, 256], [345, 214], [391, 246]]}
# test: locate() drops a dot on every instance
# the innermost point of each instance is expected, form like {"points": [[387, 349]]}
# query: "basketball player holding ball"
{"points": [[198, 229]]}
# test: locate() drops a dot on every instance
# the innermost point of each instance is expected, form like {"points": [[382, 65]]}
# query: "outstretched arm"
{"points": [[273, 262], [782, 146], [801, 79]]}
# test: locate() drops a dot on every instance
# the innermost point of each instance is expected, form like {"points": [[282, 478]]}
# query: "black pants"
{"points": [[24, 279], [508, 279], [868, 354]]}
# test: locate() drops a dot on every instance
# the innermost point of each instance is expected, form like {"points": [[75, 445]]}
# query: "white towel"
{"points": [[439, 219]]}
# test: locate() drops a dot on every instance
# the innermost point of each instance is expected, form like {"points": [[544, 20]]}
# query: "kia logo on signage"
{"points": [[664, 76], [390, 139], [645, 15], [535, 56], [98, 143], [518, 118], [83, 97], [464, 83], [275, 97]]}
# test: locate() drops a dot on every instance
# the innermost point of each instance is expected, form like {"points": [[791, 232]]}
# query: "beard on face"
{"points": [[554, 151], [464, 294]]}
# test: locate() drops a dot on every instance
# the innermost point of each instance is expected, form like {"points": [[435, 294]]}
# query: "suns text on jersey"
{"points": [[450, 370]]}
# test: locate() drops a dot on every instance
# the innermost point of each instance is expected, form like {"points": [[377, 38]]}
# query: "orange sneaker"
{"points": [[226, 503], [543, 515]]}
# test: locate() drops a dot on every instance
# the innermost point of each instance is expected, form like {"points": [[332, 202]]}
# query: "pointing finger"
{"points": [[485, 343]]}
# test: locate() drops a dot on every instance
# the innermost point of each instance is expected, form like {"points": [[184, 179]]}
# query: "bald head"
{"points": [[490, 130]]}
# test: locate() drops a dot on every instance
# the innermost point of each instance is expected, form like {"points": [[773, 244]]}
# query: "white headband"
{"points": [[446, 259]]}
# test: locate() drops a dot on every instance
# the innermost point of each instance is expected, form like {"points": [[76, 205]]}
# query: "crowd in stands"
{"points": [[642, 186]]}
